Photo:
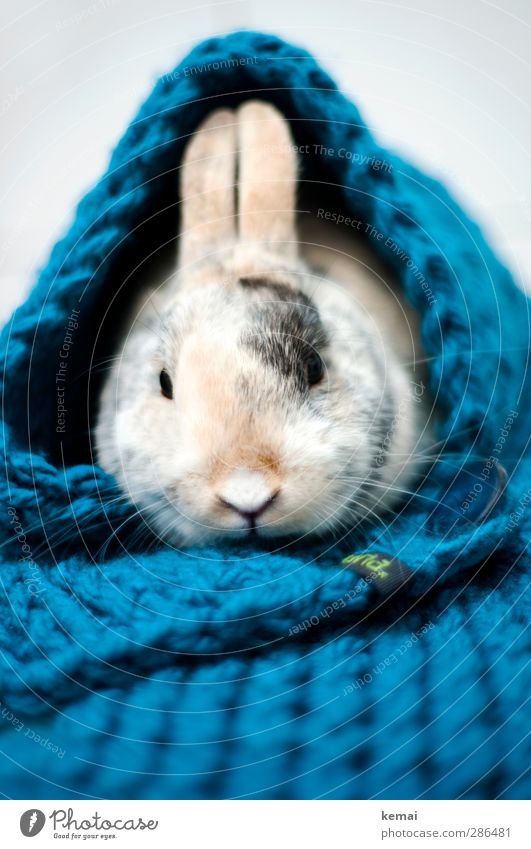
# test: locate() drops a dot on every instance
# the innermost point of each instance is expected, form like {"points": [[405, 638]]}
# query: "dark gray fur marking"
{"points": [[286, 330]]}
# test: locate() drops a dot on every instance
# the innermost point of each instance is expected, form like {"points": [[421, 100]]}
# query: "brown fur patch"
{"points": [[218, 416]]}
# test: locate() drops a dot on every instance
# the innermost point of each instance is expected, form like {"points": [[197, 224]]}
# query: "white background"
{"points": [[444, 81], [262, 824]]}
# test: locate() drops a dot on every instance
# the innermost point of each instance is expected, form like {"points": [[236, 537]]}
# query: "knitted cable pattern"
{"points": [[130, 671]]}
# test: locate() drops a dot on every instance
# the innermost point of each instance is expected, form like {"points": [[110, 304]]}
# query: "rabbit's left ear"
{"points": [[267, 179], [207, 190]]}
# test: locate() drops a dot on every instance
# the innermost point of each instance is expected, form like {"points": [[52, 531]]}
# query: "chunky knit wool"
{"points": [[132, 670]]}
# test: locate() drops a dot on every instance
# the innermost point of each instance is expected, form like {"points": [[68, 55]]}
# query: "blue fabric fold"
{"points": [[130, 670]]}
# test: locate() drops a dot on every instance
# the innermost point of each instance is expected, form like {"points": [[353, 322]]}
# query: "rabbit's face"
{"points": [[261, 411], [264, 400]]}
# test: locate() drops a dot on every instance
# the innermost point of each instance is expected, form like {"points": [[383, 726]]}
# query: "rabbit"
{"points": [[254, 395]]}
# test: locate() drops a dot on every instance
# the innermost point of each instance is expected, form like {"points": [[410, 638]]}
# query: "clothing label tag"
{"points": [[386, 572]]}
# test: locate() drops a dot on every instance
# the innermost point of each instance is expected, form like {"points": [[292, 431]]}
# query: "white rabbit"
{"points": [[259, 396]]}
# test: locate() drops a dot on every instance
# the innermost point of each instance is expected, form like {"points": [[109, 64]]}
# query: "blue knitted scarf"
{"points": [[132, 670]]}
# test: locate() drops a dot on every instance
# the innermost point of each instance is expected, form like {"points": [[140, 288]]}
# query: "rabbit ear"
{"points": [[207, 188], [267, 178]]}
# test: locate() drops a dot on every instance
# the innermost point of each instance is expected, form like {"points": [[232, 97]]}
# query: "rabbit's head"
{"points": [[257, 397]]}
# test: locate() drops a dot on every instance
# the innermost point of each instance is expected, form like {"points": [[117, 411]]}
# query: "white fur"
{"points": [[233, 434]]}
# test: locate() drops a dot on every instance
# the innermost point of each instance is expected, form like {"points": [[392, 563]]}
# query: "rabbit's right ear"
{"points": [[267, 180], [207, 189]]}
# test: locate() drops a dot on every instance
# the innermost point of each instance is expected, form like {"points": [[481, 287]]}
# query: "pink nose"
{"points": [[247, 493], [251, 515]]}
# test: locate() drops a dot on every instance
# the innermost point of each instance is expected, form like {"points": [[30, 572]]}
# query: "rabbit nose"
{"points": [[247, 493]]}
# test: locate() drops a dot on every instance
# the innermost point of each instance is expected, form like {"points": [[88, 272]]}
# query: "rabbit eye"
{"points": [[166, 385], [314, 368]]}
